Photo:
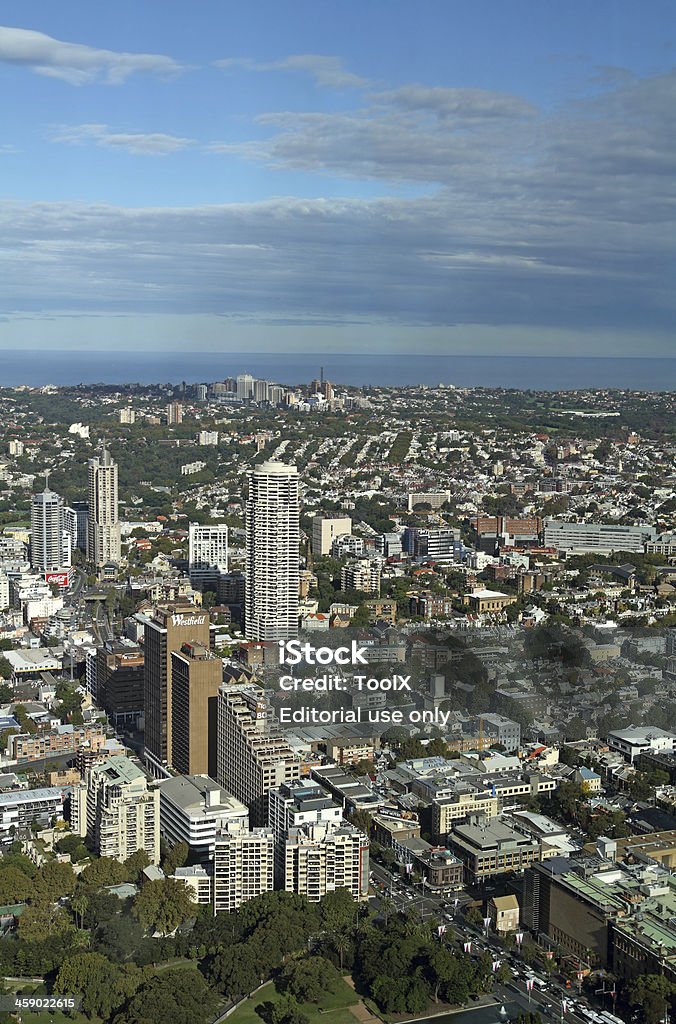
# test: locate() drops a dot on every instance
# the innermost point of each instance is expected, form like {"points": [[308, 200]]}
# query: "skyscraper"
{"points": [[196, 674], [47, 529], [165, 631], [103, 532], [272, 556]]}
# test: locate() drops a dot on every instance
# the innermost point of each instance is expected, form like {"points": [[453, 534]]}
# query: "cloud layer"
{"points": [[74, 62]]}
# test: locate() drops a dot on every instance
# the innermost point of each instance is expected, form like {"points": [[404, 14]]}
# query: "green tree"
{"points": [[102, 872], [233, 972], [339, 916], [175, 858], [103, 986], [652, 995], [180, 995], [309, 979], [162, 905], [136, 863], [41, 920], [15, 886], [55, 880]]}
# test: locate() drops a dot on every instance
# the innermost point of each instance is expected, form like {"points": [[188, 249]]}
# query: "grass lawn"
{"points": [[333, 1009]]}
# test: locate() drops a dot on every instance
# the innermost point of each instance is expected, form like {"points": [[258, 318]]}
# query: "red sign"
{"points": [[60, 579]]}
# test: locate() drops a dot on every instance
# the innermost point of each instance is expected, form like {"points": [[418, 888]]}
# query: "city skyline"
{"points": [[483, 180]]}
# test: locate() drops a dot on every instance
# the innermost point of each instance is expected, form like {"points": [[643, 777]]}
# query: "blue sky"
{"points": [[494, 177]]}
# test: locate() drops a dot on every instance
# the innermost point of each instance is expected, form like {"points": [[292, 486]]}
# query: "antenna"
{"points": [[47, 472], [321, 374]]}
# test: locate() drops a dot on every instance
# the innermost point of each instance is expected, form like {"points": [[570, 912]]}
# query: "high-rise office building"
{"points": [[253, 756], [103, 533], [165, 631], [120, 681], [196, 675], [207, 555], [272, 555], [243, 867], [47, 530], [261, 391], [76, 518], [325, 529], [123, 814]]}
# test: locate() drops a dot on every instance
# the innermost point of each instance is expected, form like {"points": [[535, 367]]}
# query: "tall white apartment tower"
{"points": [[103, 527], [47, 526], [207, 553], [272, 556], [245, 387]]}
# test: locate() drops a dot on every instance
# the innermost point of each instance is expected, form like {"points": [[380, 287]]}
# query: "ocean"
{"points": [[525, 373]]}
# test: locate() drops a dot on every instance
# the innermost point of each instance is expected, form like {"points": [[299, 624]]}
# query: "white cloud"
{"points": [[74, 62], [327, 71], [139, 143]]}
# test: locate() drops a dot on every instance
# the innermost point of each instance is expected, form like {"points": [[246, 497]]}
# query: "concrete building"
{"points": [[243, 867], [253, 756], [20, 809], [207, 555], [361, 575], [198, 882], [47, 530], [582, 538], [123, 814], [492, 849], [458, 806], [326, 529], [196, 675], [502, 730], [120, 682], [75, 520], [323, 857], [103, 526], [272, 552], [636, 740], [174, 413], [194, 810], [165, 631]]}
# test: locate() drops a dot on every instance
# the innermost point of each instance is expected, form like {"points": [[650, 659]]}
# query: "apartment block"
{"points": [[243, 867], [123, 814]]}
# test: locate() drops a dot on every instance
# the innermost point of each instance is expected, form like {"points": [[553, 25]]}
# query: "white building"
{"points": [[272, 552], [363, 575], [323, 857], [20, 809], [194, 809], [207, 437], [325, 529], [103, 528], [243, 867], [123, 815], [47, 529], [245, 387], [582, 538], [197, 881], [633, 741], [207, 554]]}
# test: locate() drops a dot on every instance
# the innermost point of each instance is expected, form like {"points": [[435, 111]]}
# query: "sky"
{"points": [[488, 178]]}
